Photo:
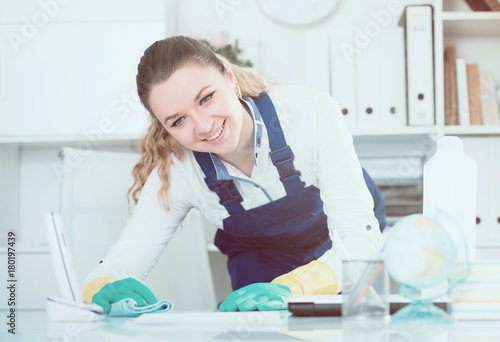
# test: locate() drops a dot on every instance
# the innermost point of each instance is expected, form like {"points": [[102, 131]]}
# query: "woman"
{"points": [[260, 166]]}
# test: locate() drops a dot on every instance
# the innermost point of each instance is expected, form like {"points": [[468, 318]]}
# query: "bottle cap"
{"points": [[450, 143]]}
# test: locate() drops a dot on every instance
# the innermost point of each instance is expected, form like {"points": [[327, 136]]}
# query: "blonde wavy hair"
{"points": [[158, 63]]}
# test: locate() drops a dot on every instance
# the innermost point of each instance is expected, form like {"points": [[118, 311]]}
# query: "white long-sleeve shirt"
{"points": [[324, 154]]}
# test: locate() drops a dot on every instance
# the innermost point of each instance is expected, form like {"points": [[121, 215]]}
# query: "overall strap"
{"points": [[281, 154], [229, 196]]}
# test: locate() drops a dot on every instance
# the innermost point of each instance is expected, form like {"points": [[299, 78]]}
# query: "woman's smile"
{"points": [[218, 135]]}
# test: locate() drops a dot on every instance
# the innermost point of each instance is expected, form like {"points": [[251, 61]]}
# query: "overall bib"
{"points": [[265, 242]]}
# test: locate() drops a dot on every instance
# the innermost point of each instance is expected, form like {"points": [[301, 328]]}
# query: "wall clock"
{"points": [[298, 12]]}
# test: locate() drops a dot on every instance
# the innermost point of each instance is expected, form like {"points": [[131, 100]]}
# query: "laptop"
{"points": [[69, 306], [331, 305]]}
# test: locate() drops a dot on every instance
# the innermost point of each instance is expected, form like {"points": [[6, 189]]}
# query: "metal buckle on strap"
{"points": [[222, 189], [294, 173], [289, 155], [285, 165]]}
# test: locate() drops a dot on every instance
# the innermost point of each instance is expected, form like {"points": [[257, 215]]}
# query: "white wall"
{"points": [[277, 50], [68, 69]]}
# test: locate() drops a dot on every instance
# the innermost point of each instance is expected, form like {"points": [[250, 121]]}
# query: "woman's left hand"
{"points": [[258, 296]]}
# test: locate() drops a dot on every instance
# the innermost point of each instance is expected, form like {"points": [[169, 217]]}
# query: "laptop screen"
{"points": [[61, 259]]}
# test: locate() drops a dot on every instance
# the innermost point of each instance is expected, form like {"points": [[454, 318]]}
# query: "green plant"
{"points": [[219, 44]]}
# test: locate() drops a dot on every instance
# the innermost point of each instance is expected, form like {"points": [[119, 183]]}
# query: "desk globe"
{"points": [[427, 256]]}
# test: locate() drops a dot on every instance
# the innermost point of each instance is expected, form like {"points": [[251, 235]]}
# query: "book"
{"points": [[474, 94], [450, 86], [483, 5], [478, 297], [489, 101], [462, 93]]}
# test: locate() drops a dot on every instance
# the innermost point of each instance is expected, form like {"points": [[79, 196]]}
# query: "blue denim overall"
{"points": [[273, 239]]}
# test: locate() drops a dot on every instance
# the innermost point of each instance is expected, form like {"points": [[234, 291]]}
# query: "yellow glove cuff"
{"points": [[93, 286], [314, 278]]}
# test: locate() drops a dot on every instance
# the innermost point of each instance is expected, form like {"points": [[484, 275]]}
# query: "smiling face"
{"points": [[198, 106]]}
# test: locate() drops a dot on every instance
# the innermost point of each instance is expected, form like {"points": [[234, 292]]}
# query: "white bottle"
{"points": [[450, 185]]}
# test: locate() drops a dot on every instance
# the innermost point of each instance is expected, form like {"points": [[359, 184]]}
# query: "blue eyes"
{"points": [[204, 100]]}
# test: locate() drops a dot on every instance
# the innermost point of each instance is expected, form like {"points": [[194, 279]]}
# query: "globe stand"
{"points": [[427, 256], [421, 321], [423, 311]]}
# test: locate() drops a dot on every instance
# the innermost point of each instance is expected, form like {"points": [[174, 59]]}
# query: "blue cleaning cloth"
{"points": [[128, 308]]}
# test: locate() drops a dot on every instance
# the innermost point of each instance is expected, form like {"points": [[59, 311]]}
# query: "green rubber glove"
{"points": [[258, 296], [121, 289]]}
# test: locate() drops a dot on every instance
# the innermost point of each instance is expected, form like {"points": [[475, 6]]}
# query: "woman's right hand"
{"points": [[121, 289]]}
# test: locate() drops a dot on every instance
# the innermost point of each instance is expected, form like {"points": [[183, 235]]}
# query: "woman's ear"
{"points": [[230, 74]]}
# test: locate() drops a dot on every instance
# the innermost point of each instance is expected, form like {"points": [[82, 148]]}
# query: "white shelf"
{"points": [[407, 130], [472, 130], [471, 24], [449, 16], [43, 139], [431, 130]]}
